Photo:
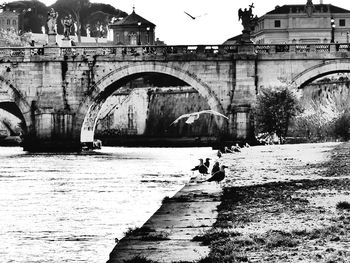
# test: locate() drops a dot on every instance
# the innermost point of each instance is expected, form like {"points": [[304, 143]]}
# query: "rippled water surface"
{"points": [[70, 208]]}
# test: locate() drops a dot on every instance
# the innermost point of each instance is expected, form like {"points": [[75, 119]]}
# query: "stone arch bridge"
{"points": [[59, 91]]}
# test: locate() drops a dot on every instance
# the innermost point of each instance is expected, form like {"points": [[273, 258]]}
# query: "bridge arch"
{"points": [[9, 94], [104, 87], [326, 68]]}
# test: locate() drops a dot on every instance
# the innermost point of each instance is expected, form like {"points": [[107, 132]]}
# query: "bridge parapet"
{"points": [[152, 51], [178, 51], [301, 48]]}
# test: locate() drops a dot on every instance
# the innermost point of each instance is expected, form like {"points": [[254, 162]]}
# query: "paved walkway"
{"points": [[167, 235]]}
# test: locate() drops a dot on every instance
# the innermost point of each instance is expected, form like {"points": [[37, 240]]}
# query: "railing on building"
{"points": [[178, 50]]}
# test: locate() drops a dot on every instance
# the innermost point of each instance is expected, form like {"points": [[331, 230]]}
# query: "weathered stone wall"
{"points": [[150, 111], [60, 92], [165, 107]]}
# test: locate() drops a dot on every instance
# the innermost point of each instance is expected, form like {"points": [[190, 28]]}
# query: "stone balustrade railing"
{"points": [[181, 50]]}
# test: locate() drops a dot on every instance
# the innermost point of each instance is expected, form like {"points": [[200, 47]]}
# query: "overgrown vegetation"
{"points": [[343, 205], [274, 111], [95, 16], [139, 259], [326, 115]]}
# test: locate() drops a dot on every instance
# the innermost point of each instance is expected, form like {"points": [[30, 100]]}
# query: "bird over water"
{"points": [[191, 117]]}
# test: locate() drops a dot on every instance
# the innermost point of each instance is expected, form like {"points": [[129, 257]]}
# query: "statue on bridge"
{"points": [[249, 21], [67, 23], [51, 21]]}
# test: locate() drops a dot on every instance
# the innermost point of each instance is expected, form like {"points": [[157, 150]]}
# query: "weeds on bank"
{"points": [[156, 236], [147, 234], [214, 234], [134, 231], [139, 259], [343, 205]]}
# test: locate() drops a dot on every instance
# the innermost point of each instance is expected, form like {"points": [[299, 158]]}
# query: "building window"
{"points": [[277, 23], [341, 22], [117, 38], [8, 22], [133, 39], [14, 22]]}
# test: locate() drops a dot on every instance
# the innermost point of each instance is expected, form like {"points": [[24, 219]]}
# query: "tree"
{"points": [[97, 17], [73, 7], [86, 13], [32, 14], [274, 110], [10, 38], [342, 126]]}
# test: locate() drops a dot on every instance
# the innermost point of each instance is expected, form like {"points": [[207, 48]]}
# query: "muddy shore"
{"points": [[301, 217], [288, 203]]}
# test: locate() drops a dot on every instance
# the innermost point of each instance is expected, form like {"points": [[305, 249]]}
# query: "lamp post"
{"points": [[333, 28], [139, 26], [148, 28]]}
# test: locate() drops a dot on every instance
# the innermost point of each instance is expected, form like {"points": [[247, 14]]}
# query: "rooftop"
{"points": [[286, 9], [132, 20]]}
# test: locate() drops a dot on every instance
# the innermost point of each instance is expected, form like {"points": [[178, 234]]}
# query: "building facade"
{"points": [[133, 30], [308, 23], [9, 21]]}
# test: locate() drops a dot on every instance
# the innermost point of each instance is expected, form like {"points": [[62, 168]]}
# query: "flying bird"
{"points": [[219, 175], [189, 15], [201, 167], [194, 17], [191, 117]]}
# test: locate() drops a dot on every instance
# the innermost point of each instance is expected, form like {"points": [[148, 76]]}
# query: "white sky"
{"points": [[221, 22]]}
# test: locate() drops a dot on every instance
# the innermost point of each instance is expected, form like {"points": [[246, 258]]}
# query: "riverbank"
{"points": [[169, 235], [279, 204], [304, 217]]}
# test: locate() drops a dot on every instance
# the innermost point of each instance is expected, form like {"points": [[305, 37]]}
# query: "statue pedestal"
{"points": [[52, 39], [246, 48], [245, 39], [66, 42]]}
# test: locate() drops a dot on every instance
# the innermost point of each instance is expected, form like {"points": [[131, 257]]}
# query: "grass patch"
{"points": [[215, 235], [139, 259], [156, 237], [275, 239], [343, 205], [166, 199], [134, 231]]}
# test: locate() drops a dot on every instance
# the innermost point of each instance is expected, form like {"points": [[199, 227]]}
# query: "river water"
{"points": [[71, 207]]}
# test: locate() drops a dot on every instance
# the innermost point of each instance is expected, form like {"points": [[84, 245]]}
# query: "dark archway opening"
{"points": [[139, 109], [325, 100], [12, 124]]}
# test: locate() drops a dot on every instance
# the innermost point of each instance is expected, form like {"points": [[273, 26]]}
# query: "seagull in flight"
{"points": [[191, 117], [194, 17]]}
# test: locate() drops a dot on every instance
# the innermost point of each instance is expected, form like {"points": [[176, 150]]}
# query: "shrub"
{"points": [[274, 111], [342, 126], [343, 205], [139, 259]]}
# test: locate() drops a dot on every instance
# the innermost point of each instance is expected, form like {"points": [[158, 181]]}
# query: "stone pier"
{"points": [[168, 235]]}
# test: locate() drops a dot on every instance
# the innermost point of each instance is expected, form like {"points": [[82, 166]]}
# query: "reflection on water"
{"points": [[70, 208]]}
